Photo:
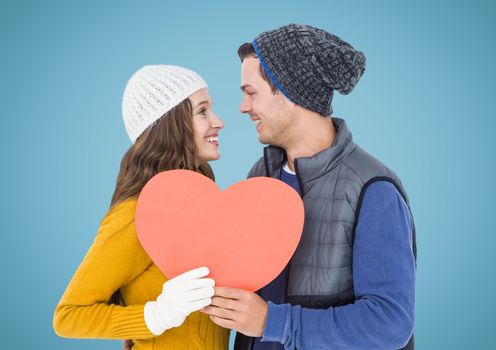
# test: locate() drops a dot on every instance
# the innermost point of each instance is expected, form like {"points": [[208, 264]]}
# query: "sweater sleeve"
{"points": [[114, 259], [382, 316]]}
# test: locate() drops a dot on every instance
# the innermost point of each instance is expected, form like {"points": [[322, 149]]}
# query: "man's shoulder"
{"points": [[383, 199], [362, 161], [382, 191], [258, 169]]}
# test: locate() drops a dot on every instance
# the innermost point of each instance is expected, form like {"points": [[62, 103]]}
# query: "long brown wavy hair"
{"points": [[166, 145]]}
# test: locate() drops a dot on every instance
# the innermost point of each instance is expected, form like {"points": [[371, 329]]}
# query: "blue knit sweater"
{"points": [[382, 317]]}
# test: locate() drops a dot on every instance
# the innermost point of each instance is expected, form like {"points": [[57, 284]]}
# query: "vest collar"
{"points": [[313, 167]]}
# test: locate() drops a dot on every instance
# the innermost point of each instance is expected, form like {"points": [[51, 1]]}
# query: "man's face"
{"points": [[270, 112]]}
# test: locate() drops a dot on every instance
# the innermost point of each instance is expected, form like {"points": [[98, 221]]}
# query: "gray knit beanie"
{"points": [[307, 64]]}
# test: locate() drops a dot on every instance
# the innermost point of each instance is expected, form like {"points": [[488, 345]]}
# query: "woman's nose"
{"points": [[217, 122]]}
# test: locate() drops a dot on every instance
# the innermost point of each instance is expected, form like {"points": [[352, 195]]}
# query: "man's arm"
{"points": [[382, 317]]}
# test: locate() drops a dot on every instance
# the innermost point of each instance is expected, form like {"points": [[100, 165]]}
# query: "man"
{"points": [[351, 282]]}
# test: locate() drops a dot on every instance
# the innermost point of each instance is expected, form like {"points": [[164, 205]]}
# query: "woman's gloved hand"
{"points": [[180, 296]]}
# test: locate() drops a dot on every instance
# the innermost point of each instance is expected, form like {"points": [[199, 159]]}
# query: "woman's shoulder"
{"points": [[119, 217], [124, 207], [117, 232]]}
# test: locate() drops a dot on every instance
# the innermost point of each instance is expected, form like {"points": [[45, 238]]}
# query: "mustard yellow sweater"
{"points": [[116, 260]]}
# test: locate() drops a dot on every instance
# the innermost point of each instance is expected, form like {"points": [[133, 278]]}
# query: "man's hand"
{"points": [[237, 309]]}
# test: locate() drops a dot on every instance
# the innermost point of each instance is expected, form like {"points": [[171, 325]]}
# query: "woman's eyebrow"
{"points": [[204, 102]]}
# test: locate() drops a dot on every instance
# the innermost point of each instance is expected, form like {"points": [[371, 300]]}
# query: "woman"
{"points": [[168, 116]]}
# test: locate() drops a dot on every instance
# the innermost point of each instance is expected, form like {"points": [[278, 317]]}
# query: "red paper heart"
{"points": [[244, 235]]}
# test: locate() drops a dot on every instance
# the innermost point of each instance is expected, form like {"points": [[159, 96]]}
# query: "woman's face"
{"points": [[206, 127]]}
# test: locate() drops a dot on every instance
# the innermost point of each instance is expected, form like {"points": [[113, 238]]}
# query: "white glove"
{"points": [[180, 296]]}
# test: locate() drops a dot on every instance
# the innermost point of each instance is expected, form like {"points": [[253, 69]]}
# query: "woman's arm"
{"points": [[114, 259]]}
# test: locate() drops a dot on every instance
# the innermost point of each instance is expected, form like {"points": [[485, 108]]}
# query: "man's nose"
{"points": [[245, 106]]}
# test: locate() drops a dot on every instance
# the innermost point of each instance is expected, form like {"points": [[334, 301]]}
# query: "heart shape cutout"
{"points": [[245, 235]]}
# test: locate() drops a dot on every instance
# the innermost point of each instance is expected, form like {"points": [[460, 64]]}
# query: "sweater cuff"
{"points": [[128, 322], [277, 318]]}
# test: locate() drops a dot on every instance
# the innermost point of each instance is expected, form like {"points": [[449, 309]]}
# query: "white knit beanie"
{"points": [[153, 91]]}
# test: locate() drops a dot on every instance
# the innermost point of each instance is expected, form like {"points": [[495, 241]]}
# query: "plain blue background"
{"points": [[424, 106]]}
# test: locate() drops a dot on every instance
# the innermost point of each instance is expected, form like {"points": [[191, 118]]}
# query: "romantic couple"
{"points": [[350, 283]]}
